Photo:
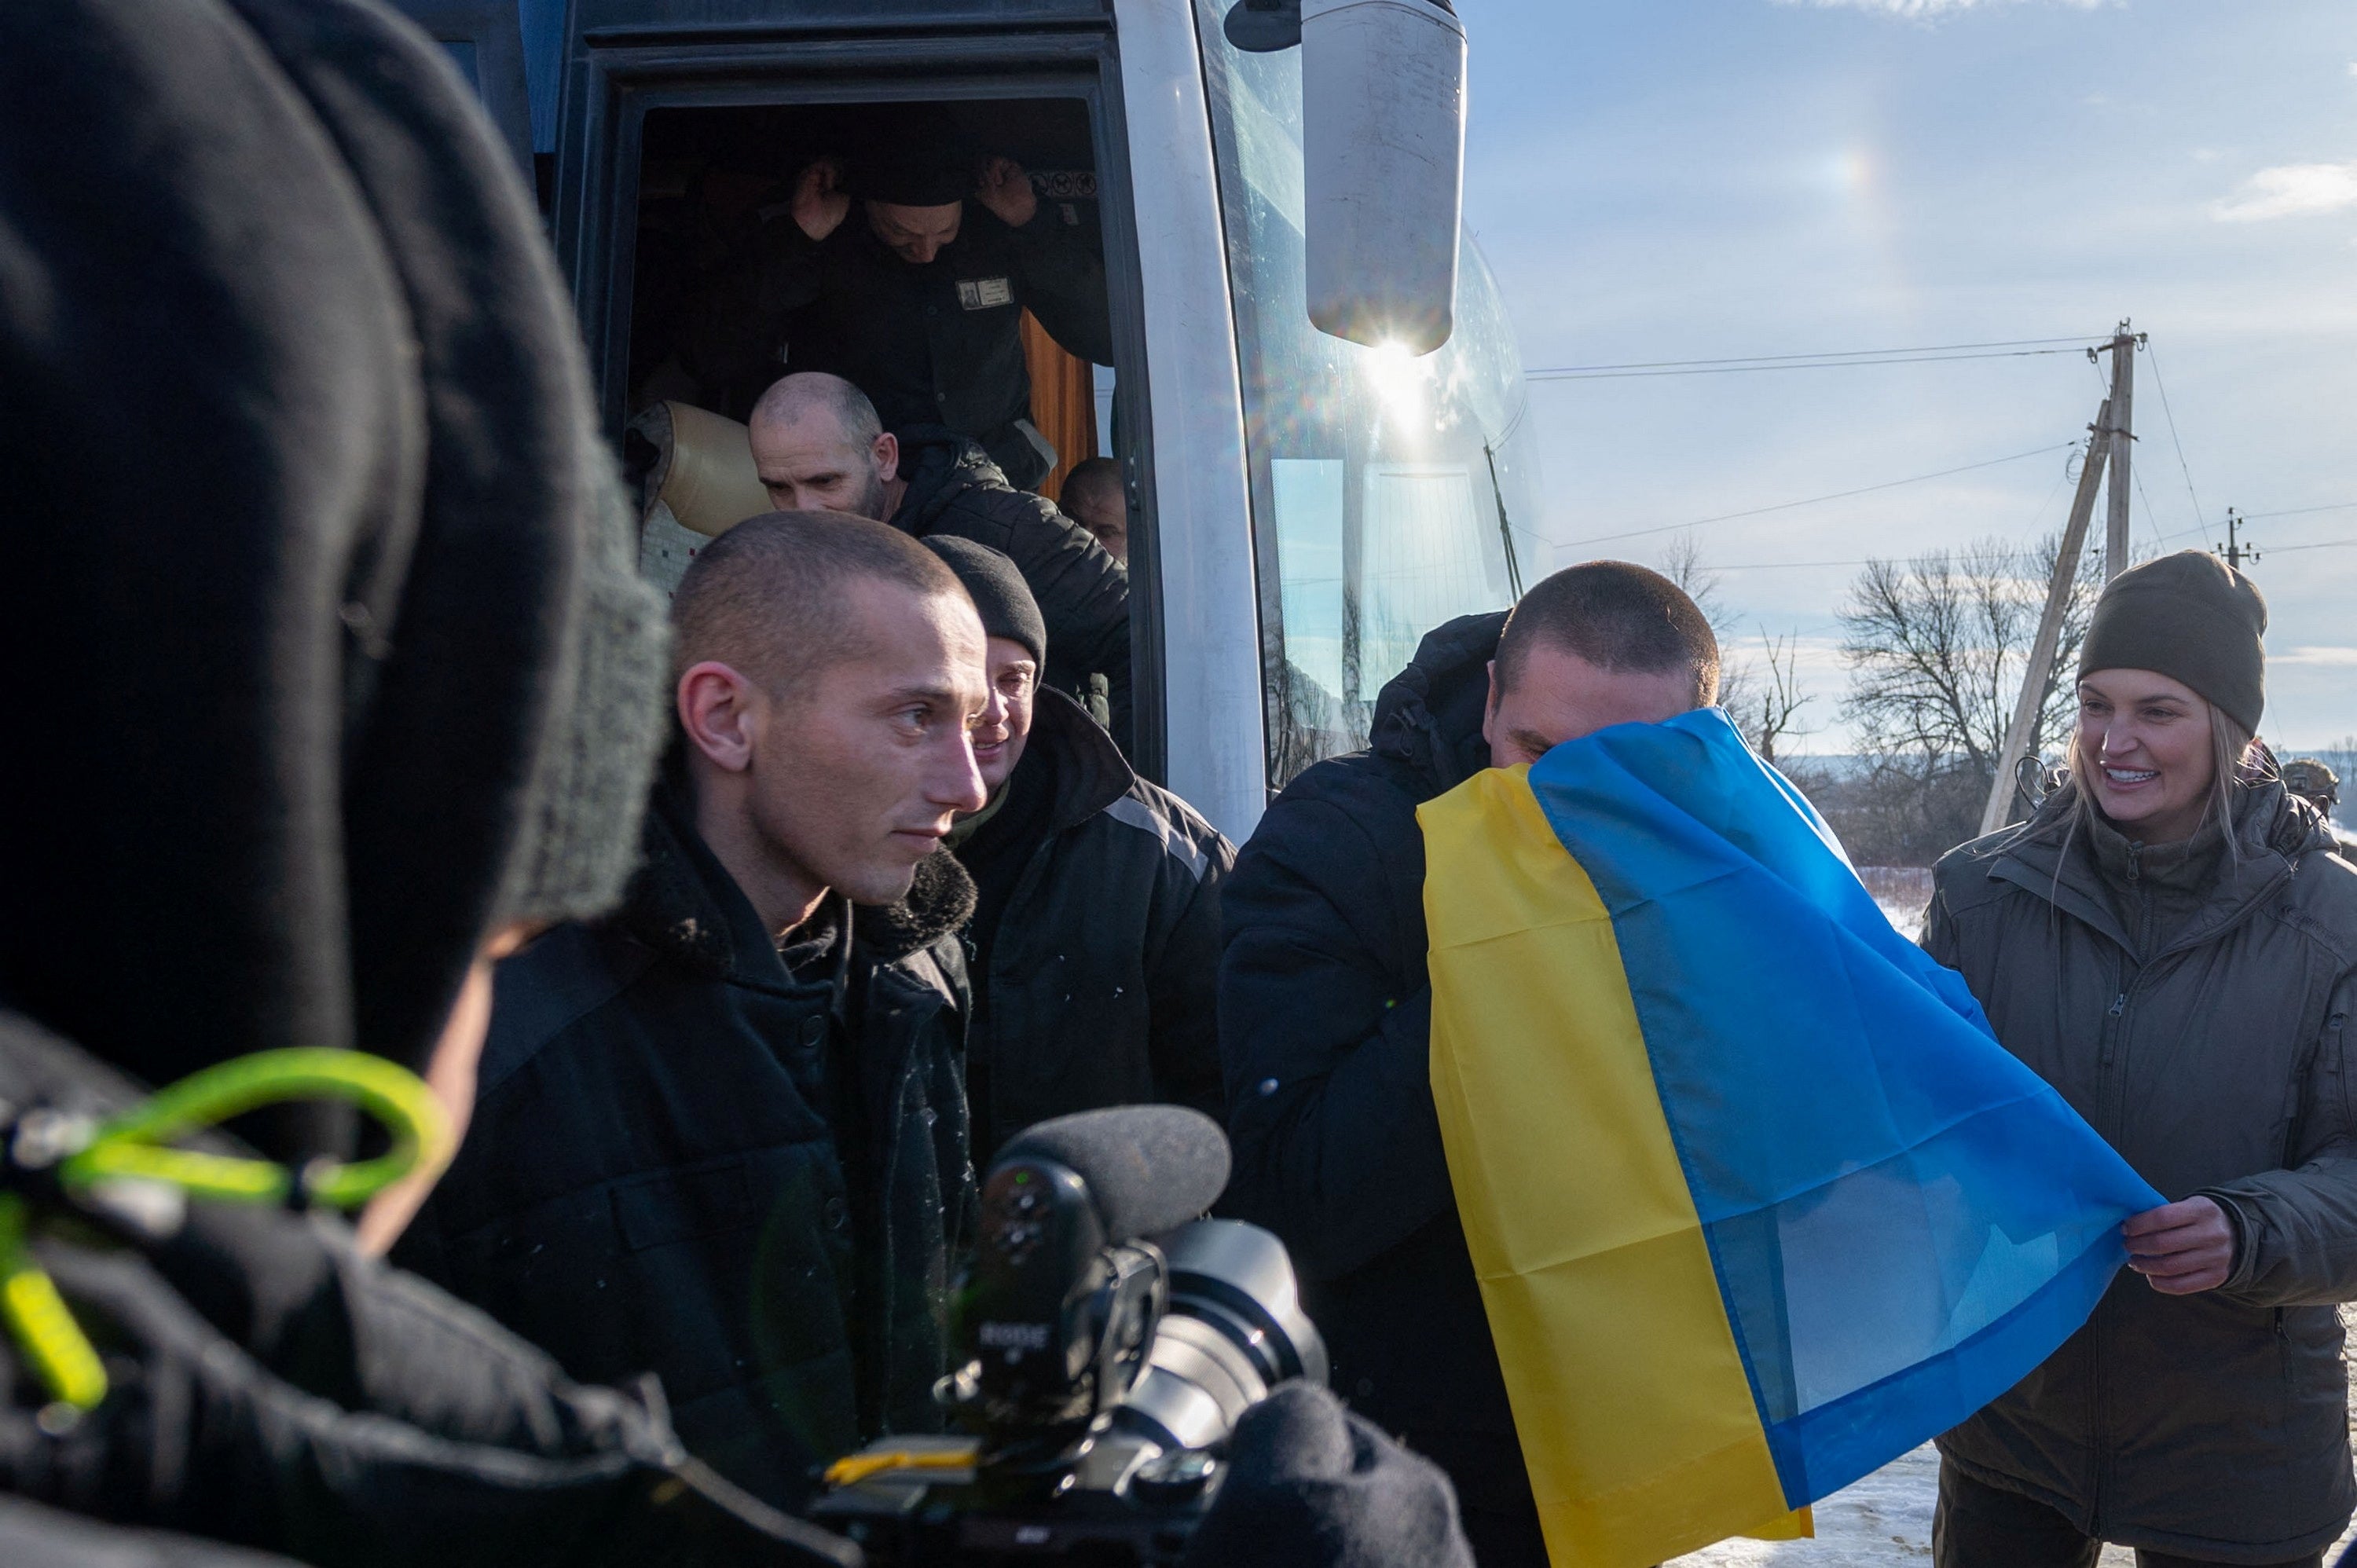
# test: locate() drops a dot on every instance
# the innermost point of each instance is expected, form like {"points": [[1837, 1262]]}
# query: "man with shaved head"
{"points": [[1326, 1009], [817, 443], [722, 1135]]}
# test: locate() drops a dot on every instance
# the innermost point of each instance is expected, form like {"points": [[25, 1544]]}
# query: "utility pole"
{"points": [[2101, 439], [2236, 551], [2123, 405]]}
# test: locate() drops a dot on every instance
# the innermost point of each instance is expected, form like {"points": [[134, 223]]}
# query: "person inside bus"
{"points": [[819, 444], [721, 1135], [1325, 1007], [1096, 938], [907, 269], [1094, 496]]}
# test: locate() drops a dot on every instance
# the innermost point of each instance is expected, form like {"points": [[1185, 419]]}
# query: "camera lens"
{"points": [[1233, 1329]]}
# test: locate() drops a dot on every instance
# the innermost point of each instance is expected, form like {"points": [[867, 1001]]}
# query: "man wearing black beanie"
{"points": [[1095, 930]]}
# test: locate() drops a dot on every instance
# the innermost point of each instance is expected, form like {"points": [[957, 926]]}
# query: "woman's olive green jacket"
{"points": [[2194, 1008]]}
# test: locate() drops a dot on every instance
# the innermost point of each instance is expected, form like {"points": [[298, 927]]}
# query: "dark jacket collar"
{"points": [[684, 903], [938, 465], [1091, 773], [2049, 858], [1429, 715]]}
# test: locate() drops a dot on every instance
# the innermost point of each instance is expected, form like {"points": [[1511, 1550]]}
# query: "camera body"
{"points": [[1105, 1373]]}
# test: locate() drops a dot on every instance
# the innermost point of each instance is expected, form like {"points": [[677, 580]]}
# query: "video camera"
{"points": [[1114, 1339]]}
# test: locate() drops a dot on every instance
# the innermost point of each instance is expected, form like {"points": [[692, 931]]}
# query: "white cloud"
{"points": [[2290, 190], [2312, 655]]}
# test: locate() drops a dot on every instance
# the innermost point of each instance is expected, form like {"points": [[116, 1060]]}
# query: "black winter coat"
{"points": [[941, 343], [1103, 971], [937, 344], [1083, 594], [687, 1159], [1324, 1018]]}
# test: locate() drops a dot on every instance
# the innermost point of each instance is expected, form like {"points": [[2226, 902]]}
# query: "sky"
{"points": [[1683, 179]]}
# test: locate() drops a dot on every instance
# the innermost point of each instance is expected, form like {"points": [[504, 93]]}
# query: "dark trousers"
{"points": [[1978, 1526]]}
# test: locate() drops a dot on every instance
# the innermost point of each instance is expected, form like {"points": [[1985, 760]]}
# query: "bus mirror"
{"points": [[1264, 26], [1383, 135]]}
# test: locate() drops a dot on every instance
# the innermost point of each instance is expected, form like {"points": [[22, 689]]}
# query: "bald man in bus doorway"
{"points": [[819, 444]]}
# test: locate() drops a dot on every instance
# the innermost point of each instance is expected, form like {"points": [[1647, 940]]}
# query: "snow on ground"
{"points": [[1886, 1518]]}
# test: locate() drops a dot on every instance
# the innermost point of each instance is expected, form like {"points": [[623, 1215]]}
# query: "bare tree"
{"points": [[1763, 701], [1772, 711], [1936, 649]]}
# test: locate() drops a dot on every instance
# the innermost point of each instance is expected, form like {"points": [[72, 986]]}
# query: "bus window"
{"points": [[1388, 492]]}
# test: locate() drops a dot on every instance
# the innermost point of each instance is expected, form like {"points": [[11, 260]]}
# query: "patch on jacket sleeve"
{"points": [[1136, 813]]}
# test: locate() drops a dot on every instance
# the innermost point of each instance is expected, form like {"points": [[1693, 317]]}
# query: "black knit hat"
{"points": [[388, 679], [998, 589], [2192, 617]]}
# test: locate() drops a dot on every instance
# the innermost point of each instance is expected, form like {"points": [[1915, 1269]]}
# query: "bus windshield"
{"points": [[1388, 492]]}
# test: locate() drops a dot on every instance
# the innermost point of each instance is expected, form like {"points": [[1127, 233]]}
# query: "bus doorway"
{"points": [[750, 257]]}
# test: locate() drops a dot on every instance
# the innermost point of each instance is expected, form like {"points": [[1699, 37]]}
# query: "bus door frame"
{"points": [[616, 76]]}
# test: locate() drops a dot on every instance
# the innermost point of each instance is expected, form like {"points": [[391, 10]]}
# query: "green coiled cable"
{"points": [[134, 1145]]}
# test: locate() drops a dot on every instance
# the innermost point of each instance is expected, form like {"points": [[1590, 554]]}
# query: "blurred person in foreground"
{"points": [[1325, 1005], [722, 1135], [2172, 943], [819, 446], [362, 697], [1095, 935]]}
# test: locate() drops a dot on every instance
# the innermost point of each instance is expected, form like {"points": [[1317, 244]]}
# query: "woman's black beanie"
{"points": [[2192, 617]]}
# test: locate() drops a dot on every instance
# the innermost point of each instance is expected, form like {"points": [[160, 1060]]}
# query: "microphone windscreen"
{"points": [[1150, 1168]]}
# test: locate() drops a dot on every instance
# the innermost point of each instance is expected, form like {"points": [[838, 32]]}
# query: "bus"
{"points": [[1303, 506]]}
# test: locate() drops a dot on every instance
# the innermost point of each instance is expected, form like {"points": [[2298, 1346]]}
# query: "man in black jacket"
{"points": [[1325, 1008], [818, 445], [907, 269], [722, 1137], [1096, 929]]}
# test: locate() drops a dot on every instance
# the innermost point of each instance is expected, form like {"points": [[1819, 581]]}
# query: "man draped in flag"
{"points": [[1325, 1005], [1588, 1012]]}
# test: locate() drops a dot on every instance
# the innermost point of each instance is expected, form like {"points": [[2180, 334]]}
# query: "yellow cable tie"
{"points": [[855, 1467]]}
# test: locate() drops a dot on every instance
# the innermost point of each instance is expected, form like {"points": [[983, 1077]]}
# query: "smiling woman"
{"points": [[2172, 943]]}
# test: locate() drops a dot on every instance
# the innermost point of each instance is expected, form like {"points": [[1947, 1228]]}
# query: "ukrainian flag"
{"points": [[1757, 1201]]}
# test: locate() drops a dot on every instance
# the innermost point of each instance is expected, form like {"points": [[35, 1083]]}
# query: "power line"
{"points": [[1608, 373], [1827, 354], [2199, 517], [1868, 561], [1814, 501], [2300, 512]]}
